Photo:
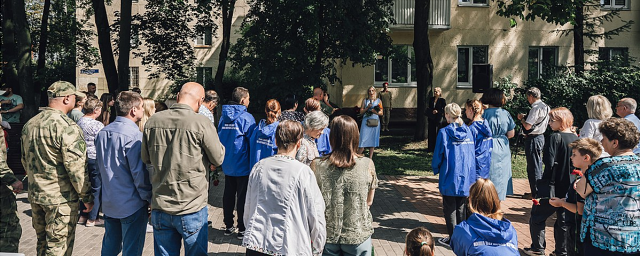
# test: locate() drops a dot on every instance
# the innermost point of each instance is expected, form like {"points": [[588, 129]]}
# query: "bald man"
{"points": [[180, 144]]}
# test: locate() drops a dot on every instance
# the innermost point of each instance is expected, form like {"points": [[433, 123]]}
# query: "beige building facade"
{"points": [[206, 48], [467, 32], [462, 33]]}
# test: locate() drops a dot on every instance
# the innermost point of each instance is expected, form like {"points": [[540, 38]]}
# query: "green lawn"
{"points": [[398, 155]]}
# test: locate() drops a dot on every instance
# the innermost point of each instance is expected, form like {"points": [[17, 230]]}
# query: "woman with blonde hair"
{"points": [[598, 110], [486, 231], [149, 107], [262, 143], [454, 159], [347, 181], [371, 111]]}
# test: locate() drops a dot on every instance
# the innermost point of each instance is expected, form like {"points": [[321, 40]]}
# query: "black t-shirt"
{"points": [[574, 198], [557, 154]]}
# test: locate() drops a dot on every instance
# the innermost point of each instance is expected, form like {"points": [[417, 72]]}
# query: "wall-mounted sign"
{"points": [[89, 71]]}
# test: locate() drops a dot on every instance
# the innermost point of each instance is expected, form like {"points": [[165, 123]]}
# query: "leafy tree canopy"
{"points": [[289, 46]]}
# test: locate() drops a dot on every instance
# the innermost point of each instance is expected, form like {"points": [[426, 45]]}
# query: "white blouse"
{"points": [[284, 209], [590, 130]]}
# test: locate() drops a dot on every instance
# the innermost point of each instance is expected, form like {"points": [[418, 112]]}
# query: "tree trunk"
{"points": [[104, 43], [124, 46], [42, 51], [23, 60], [228, 7], [9, 50], [424, 64], [578, 39]]}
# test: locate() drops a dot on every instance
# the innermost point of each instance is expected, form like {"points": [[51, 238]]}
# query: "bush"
{"points": [[614, 80]]}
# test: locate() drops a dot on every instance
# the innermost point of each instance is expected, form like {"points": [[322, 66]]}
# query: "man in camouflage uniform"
{"points": [[10, 230], [54, 156]]}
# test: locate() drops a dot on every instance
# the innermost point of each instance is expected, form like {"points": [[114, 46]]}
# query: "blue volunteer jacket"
{"points": [[324, 147], [454, 159], [262, 143], [234, 130], [484, 145], [480, 235]]}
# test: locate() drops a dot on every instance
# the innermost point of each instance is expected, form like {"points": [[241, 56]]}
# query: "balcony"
{"points": [[439, 17]]}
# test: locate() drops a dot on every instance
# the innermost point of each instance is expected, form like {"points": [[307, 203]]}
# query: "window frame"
{"points": [[408, 84], [540, 57], [134, 77], [613, 6], [207, 35], [201, 72], [472, 3], [610, 55], [469, 84]]}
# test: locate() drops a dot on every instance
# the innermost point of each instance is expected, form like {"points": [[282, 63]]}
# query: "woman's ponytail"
{"points": [[272, 109]]}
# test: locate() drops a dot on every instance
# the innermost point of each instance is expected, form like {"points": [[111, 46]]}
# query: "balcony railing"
{"points": [[439, 16]]}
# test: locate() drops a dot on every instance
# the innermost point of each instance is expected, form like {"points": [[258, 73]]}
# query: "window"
{"points": [[473, 2], [134, 77], [398, 68], [467, 56], [615, 4], [134, 41], [204, 75], [610, 53], [205, 38], [542, 60]]}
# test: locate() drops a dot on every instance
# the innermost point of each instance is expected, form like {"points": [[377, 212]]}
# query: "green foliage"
{"points": [[613, 80], [291, 46], [167, 30], [516, 101], [558, 12]]}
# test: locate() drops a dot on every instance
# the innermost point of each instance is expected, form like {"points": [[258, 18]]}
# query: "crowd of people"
{"points": [[588, 178], [297, 182]]}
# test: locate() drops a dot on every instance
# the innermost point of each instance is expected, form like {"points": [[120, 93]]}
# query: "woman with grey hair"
{"points": [[314, 124]]}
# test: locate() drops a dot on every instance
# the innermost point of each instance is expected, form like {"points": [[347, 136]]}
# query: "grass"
{"points": [[399, 155]]}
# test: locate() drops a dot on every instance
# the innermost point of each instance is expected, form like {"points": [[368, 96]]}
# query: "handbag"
{"points": [[372, 122]]}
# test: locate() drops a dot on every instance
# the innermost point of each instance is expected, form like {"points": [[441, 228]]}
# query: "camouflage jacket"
{"points": [[54, 157], [6, 175]]}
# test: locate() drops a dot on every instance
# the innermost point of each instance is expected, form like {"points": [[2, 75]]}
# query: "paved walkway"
{"points": [[401, 204]]}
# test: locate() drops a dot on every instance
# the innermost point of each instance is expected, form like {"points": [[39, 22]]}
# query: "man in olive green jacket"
{"points": [[54, 155], [181, 144]]}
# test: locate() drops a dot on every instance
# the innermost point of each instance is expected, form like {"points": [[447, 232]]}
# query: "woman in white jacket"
{"points": [[284, 209]]}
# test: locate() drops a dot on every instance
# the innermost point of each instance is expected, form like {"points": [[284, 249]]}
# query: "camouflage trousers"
{"points": [[10, 230], [55, 227]]}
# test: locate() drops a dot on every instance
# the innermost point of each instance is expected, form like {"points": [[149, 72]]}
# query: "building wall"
{"points": [[470, 25], [508, 52], [206, 56]]}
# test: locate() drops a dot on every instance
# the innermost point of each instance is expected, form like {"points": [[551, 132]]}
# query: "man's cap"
{"points": [[63, 88]]}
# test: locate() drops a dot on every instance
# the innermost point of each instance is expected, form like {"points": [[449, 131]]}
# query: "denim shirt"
{"points": [[125, 180]]}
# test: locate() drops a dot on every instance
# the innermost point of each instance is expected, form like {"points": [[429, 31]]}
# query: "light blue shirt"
{"points": [[634, 119], [125, 180], [205, 112]]}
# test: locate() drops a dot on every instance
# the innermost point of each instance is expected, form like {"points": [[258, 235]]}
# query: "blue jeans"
{"points": [[96, 185], [126, 234], [169, 229], [363, 249]]}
